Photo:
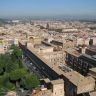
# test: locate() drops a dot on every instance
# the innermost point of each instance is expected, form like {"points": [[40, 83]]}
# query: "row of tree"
{"points": [[12, 73]]}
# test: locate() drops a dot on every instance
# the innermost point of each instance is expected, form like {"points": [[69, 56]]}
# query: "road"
{"points": [[42, 70], [32, 68]]}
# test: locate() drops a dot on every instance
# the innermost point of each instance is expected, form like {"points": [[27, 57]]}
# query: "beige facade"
{"points": [[94, 41], [55, 58], [57, 87], [34, 40], [93, 93], [82, 41]]}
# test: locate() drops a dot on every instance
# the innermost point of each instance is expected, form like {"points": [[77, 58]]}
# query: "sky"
{"points": [[47, 7]]}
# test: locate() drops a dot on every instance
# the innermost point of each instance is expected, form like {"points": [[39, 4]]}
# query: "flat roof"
{"points": [[59, 81], [46, 80], [52, 66], [93, 93], [78, 79]]}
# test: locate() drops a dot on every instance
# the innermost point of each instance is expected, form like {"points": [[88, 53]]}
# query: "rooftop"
{"points": [[42, 93], [59, 81], [46, 80], [93, 93], [53, 67], [73, 52], [77, 79]]}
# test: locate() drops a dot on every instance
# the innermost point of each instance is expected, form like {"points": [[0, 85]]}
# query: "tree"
{"points": [[13, 74], [9, 85], [18, 74], [30, 81], [1, 71], [17, 54], [11, 66], [4, 79], [3, 60], [5, 84], [16, 51], [2, 91]]}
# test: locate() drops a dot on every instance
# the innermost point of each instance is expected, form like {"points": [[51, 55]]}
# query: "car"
{"points": [[31, 63], [34, 67]]}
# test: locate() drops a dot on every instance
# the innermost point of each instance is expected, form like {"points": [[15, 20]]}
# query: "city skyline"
{"points": [[12, 8]]}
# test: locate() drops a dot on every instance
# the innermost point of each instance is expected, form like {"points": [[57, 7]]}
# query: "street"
{"points": [[32, 68]]}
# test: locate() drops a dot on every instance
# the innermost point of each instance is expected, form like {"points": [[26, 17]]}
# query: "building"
{"points": [[34, 40], [91, 51], [46, 49], [80, 62], [58, 87], [75, 83], [55, 58], [92, 93], [51, 88], [92, 73]]}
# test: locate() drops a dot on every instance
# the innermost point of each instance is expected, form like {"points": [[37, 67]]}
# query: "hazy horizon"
{"points": [[25, 8]]}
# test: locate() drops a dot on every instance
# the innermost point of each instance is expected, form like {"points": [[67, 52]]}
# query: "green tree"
{"points": [[12, 72], [4, 79], [11, 66], [3, 60], [18, 74], [30, 81], [9, 85], [17, 51], [1, 71]]}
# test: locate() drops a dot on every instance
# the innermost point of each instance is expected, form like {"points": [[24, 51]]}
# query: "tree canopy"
{"points": [[13, 73], [30, 81]]}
